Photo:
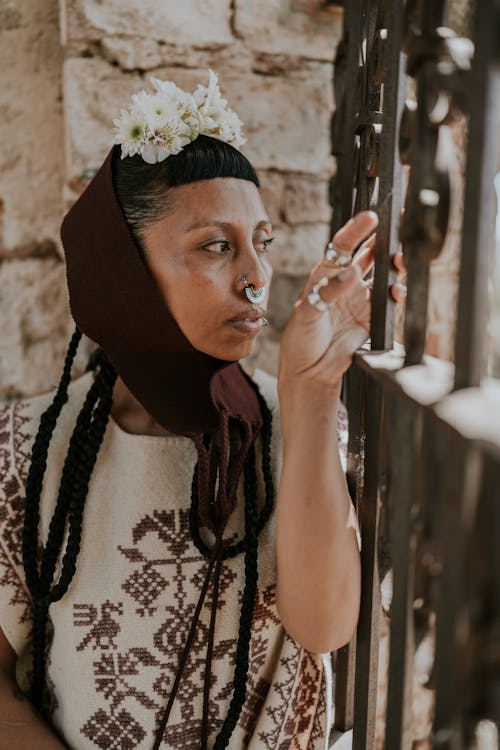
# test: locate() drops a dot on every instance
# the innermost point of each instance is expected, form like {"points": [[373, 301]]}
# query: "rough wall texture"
{"points": [[67, 70]]}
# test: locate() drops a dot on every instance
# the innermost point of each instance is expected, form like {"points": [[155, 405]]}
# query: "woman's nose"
{"points": [[253, 268]]}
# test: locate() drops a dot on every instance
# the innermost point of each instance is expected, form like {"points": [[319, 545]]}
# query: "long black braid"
{"points": [[79, 463], [254, 523], [247, 604]]}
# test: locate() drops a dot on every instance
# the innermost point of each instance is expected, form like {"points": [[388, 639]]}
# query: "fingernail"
{"points": [[402, 288]]}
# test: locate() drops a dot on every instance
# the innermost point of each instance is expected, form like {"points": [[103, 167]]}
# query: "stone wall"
{"points": [[67, 70]]}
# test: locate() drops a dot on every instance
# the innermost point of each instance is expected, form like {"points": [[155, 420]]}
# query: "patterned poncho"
{"points": [[117, 634]]}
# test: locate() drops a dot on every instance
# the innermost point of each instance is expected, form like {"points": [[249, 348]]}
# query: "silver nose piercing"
{"points": [[253, 294]]}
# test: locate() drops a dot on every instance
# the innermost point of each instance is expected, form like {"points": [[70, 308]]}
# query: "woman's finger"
{"points": [[330, 288], [398, 292], [398, 263], [364, 256], [357, 229]]}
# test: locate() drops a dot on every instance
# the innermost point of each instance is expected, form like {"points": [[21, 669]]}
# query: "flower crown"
{"points": [[160, 124]]}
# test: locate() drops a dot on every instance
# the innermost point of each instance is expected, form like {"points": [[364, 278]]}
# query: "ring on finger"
{"points": [[341, 260], [316, 300]]}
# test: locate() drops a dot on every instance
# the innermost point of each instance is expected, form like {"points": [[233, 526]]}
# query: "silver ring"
{"points": [[316, 300], [338, 259]]}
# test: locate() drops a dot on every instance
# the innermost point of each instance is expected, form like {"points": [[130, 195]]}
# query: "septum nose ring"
{"points": [[253, 294]]}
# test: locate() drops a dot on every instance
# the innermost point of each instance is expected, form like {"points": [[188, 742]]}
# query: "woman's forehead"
{"points": [[221, 200]]}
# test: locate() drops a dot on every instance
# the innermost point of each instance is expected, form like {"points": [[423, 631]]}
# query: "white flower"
{"points": [[157, 110], [131, 131], [160, 124], [208, 98], [169, 139]]}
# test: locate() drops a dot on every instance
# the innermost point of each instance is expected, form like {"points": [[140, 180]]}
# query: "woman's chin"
{"points": [[230, 351]]}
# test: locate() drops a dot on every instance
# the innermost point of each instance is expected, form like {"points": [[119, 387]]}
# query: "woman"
{"points": [[154, 591]]}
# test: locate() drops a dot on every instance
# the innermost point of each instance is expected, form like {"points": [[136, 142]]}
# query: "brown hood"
{"points": [[116, 302]]}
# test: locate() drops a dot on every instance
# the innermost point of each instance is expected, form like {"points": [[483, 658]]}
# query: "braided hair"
{"points": [[80, 459]]}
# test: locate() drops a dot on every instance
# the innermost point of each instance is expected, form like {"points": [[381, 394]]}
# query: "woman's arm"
{"points": [[318, 586], [319, 572], [20, 725]]}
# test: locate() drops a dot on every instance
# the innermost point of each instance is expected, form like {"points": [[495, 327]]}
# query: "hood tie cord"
{"points": [[189, 641], [247, 464], [195, 519]]}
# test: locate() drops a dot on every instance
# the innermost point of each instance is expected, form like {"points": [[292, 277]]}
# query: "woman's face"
{"points": [[216, 232]]}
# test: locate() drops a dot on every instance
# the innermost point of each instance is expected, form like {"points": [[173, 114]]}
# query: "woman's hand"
{"points": [[318, 346]]}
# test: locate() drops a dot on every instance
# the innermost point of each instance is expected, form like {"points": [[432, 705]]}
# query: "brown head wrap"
{"points": [[116, 302]]}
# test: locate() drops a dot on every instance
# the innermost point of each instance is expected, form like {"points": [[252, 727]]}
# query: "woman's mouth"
{"points": [[252, 324]]}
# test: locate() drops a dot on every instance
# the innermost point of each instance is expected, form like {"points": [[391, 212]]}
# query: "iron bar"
{"points": [[479, 203], [390, 66], [367, 640], [403, 425]]}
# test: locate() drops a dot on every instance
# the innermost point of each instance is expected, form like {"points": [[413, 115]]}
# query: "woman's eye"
{"points": [[220, 247], [264, 244]]}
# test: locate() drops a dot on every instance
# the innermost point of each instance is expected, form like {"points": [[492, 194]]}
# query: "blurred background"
{"points": [[68, 68]]}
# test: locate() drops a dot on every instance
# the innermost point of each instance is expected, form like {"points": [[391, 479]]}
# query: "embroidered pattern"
{"points": [[126, 646]]}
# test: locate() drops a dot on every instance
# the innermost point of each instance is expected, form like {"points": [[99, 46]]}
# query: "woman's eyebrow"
{"points": [[223, 225]]}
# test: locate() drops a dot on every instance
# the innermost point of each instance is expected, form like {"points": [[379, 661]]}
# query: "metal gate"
{"points": [[424, 434]]}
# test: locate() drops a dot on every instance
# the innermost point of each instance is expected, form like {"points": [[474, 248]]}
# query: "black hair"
{"points": [[143, 189], [143, 192]]}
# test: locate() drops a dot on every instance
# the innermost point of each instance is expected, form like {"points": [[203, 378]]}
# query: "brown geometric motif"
{"points": [[290, 668], [112, 670], [172, 528], [185, 736], [227, 576], [22, 440], [145, 586], [113, 731], [307, 694], [103, 630], [19, 597], [318, 727], [11, 518]]}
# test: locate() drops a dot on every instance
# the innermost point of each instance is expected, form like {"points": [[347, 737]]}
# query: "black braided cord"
{"points": [[247, 605], [82, 453]]}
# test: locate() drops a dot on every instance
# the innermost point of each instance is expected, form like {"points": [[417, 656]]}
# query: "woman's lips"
{"points": [[248, 325]]}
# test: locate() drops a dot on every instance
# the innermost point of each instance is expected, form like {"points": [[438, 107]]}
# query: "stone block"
{"points": [[297, 249], [136, 53], [286, 121], [272, 186], [287, 27], [36, 325], [195, 22], [305, 200], [285, 291], [31, 132]]}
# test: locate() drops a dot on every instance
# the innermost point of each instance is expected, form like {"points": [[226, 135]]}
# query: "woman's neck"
{"points": [[131, 416]]}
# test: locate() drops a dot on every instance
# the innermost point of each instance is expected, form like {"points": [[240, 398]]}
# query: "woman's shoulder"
{"points": [[20, 419]]}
